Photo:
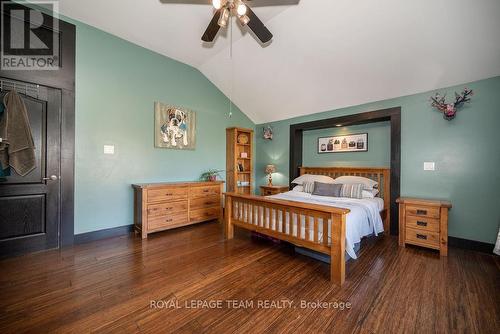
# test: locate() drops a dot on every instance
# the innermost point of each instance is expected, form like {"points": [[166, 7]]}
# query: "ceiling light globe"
{"points": [[242, 9], [217, 4]]}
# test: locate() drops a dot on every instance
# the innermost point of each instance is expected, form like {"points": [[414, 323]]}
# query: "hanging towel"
{"points": [[17, 148], [3, 171]]}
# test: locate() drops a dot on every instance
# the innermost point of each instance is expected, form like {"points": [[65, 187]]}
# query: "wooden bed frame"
{"points": [[257, 213]]}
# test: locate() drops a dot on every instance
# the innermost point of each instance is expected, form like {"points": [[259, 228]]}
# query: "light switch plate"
{"points": [[429, 165], [109, 149]]}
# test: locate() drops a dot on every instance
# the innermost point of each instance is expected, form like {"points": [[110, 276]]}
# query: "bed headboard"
{"points": [[380, 174]]}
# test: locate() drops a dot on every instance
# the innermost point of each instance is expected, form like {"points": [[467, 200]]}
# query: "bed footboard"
{"points": [[316, 227]]}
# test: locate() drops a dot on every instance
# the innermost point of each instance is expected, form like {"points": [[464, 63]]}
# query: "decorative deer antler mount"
{"points": [[449, 110]]}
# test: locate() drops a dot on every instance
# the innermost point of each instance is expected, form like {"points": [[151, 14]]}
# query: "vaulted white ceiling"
{"points": [[326, 54]]}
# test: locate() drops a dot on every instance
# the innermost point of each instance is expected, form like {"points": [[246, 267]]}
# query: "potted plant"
{"points": [[211, 174]]}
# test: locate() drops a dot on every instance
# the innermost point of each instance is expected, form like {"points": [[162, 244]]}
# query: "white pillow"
{"points": [[368, 184], [298, 188], [312, 178], [369, 193]]}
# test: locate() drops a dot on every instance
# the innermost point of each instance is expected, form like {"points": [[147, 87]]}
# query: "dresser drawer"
{"points": [[422, 223], [209, 201], [167, 208], [266, 192], [167, 220], [197, 192], [420, 237], [422, 211], [204, 214], [167, 194]]}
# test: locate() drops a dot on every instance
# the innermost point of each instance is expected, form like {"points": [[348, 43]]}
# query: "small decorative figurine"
{"points": [[449, 110]]}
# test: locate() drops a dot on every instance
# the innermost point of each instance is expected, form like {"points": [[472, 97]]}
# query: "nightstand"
{"points": [[272, 190], [424, 222]]}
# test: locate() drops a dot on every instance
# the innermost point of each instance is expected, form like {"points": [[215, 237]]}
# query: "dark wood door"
{"points": [[30, 205]]}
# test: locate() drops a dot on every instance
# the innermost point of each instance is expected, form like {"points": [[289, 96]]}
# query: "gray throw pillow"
{"points": [[354, 190], [308, 186], [327, 189]]}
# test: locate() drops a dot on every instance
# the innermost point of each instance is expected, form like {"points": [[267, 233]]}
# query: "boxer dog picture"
{"points": [[174, 127]]}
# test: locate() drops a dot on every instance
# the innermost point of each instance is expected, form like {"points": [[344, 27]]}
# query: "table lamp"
{"points": [[270, 169]]}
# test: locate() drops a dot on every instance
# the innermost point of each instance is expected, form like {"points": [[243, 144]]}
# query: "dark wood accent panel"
{"points": [[21, 216], [296, 143], [113, 281], [391, 114]]}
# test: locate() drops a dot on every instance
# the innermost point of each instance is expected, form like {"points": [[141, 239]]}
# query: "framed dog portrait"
{"points": [[175, 127]]}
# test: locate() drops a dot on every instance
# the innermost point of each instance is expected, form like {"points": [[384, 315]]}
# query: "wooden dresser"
{"points": [[272, 190], [162, 206], [424, 222]]}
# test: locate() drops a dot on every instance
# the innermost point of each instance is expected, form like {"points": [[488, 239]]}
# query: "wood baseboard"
{"points": [[474, 245], [103, 234]]}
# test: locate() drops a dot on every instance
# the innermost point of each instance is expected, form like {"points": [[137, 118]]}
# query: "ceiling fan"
{"points": [[246, 17]]}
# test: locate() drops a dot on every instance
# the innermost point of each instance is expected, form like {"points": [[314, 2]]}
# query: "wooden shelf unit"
{"points": [[233, 157]]}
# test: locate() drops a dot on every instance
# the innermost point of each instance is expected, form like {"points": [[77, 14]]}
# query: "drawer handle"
{"points": [[168, 220], [421, 236], [421, 223], [206, 190], [421, 212], [168, 194], [169, 208]]}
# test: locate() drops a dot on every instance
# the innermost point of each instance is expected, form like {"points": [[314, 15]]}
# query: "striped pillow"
{"points": [[352, 190], [308, 186]]}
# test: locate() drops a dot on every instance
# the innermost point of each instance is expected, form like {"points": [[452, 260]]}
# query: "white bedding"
{"points": [[363, 219]]}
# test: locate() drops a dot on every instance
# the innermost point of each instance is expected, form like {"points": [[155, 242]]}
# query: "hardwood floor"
{"points": [[108, 286]]}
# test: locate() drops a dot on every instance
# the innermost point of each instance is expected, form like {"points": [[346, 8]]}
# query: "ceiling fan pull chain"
{"points": [[232, 67]]}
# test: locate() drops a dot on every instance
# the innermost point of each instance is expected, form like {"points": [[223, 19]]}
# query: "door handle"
{"points": [[51, 178]]}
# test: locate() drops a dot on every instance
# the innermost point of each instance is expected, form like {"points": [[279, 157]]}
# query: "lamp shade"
{"points": [[270, 169]]}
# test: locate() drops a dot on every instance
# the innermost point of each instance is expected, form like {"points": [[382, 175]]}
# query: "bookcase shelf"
{"points": [[233, 159]]}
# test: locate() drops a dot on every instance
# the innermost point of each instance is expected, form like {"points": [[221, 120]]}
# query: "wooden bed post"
{"points": [[337, 249], [228, 228]]}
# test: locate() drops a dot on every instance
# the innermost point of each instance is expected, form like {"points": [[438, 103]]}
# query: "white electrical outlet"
{"points": [[429, 165], [109, 149]]}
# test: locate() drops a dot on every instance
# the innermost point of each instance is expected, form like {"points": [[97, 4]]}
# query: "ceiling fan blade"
{"points": [[213, 28], [258, 28]]}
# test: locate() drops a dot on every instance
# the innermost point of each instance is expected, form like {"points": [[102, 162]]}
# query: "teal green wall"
{"points": [[465, 151], [116, 85], [378, 154]]}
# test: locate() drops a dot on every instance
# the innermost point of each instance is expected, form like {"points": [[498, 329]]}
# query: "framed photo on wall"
{"points": [[357, 142], [175, 127]]}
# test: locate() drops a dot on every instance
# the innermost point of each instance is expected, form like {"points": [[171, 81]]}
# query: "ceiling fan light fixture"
{"points": [[224, 16], [241, 9], [218, 3], [244, 19]]}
